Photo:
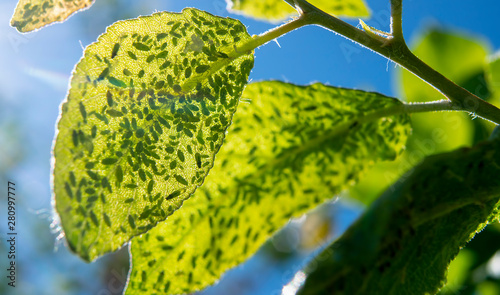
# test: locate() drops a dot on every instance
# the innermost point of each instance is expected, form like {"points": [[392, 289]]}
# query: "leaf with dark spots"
{"points": [[131, 88], [300, 161], [34, 14], [404, 241]]}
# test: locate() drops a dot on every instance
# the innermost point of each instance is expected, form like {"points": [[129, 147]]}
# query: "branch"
{"points": [[272, 34], [398, 52], [412, 108], [396, 20], [301, 6], [394, 49]]}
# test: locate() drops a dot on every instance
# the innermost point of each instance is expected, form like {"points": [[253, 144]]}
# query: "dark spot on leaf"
{"points": [[106, 218], [139, 133], [131, 221], [103, 74], [119, 173], [132, 55], [140, 46], [181, 179], [109, 161], [173, 195], [82, 111], [202, 68], [116, 47], [114, 113], [117, 82]]}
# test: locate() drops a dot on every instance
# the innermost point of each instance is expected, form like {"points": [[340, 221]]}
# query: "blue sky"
{"points": [[35, 70]]}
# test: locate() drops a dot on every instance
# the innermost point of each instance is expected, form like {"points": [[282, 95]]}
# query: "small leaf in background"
{"points": [[441, 50], [34, 14], [457, 272], [441, 131], [474, 266], [147, 111], [289, 149], [493, 77], [278, 10], [405, 241]]}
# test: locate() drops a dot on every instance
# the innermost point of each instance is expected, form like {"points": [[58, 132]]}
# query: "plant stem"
{"points": [[394, 49], [397, 51], [459, 96], [411, 108], [273, 34], [396, 20]]}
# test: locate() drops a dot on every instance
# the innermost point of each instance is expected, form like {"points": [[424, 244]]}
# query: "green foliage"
{"points": [[34, 14], [433, 132], [289, 149], [442, 50], [147, 111], [469, 273], [493, 78], [277, 10], [406, 239]]}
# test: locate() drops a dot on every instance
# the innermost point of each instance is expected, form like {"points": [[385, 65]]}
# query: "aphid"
{"points": [[116, 47], [140, 46], [106, 218]]}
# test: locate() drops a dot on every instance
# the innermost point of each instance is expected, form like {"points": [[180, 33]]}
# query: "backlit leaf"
{"points": [[405, 241], [136, 137], [34, 14], [277, 10], [289, 149]]}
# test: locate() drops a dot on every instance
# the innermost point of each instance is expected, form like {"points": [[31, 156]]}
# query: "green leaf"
{"points": [[457, 272], [493, 77], [405, 241], [137, 135], [458, 57], [289, 149], [278, 10], [34, 14]]}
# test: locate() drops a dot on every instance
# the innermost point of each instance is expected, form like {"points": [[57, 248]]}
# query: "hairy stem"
{"points": [[460, 96], [411, 108], [398, 52], [396, 20], [274, 33]]}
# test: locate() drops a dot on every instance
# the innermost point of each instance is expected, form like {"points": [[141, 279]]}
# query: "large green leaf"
{"points": [[277, 10], [289, 149], [405, 241], [460, 58], [148, 108], [34, 14]]}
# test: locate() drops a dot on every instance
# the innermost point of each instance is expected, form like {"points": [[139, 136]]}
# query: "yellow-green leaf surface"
{"points": [[405, 241], [278, 10], [458, 57], [289, 149], [34, 14], [148, 108]]}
